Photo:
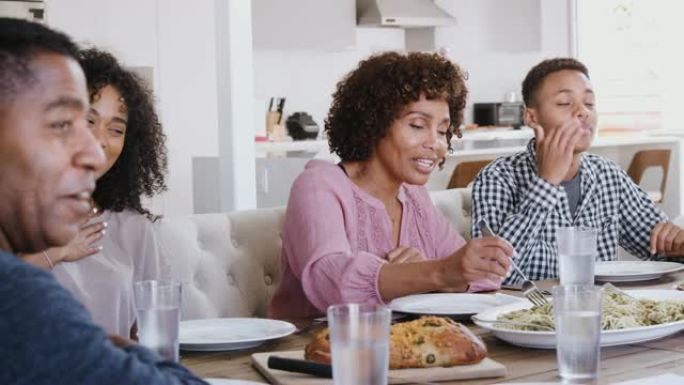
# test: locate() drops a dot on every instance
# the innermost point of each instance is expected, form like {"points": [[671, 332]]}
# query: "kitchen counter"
{"points": [[473, 143], [490, 135], [263, 148], [278, 163], [499, 147]]}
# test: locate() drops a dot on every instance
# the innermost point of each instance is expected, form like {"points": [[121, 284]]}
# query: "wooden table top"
{"points": [[618, 363]]}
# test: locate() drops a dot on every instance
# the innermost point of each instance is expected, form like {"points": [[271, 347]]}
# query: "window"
{"points": [[634, 53]]}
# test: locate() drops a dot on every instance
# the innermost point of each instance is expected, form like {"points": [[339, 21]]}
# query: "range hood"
{"points": [[402, 13]]}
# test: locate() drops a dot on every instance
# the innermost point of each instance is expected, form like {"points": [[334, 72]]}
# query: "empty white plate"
{"points": [[219, 334], [628, 271], [451, 304]]}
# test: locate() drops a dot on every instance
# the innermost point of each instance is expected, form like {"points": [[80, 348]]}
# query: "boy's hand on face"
{"points": [[667, 239], [555, 152]]}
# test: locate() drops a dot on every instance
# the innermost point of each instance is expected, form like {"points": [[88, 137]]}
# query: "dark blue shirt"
{"points": [[47, 337]]}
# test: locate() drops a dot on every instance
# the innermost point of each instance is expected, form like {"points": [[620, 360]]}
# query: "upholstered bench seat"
{"points": [[229, 263]]}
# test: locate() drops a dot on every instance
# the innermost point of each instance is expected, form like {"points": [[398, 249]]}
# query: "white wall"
{"points": [[127, 28], [177, 39], [308, 77], [480, 39], [187, 91], [491, 49]]}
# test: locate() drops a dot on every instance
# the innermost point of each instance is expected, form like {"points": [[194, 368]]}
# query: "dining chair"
{"points": [[646, 159], [465, 173]]}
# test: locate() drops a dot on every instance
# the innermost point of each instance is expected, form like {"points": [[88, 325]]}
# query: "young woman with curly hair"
{"points": [[365, 230], [116, 247]]}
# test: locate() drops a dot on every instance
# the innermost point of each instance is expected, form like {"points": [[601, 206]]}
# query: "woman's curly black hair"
{"points": [[373, 95], [141, 167]]}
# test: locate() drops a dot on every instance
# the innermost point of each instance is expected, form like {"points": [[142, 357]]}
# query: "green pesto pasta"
{"points": [[619, 312]]}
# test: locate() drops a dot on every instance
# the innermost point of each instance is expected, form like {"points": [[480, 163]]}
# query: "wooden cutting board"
{"points": [[487, 368]]}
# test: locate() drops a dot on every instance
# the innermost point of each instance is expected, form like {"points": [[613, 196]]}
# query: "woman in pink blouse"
{"points": [[365, 230]]}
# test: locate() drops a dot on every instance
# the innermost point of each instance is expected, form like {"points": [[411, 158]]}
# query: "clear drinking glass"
{"points": [[577, 251], [577, 312], [359, 338], [157, 304]]}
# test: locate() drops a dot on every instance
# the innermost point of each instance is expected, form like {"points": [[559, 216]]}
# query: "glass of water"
{"points": [[577, 251], [157, 304], [577, 312], [359, 338]]}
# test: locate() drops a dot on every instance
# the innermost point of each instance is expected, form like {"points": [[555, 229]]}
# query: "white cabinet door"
{"points": [[27, 10], [328, 25]]}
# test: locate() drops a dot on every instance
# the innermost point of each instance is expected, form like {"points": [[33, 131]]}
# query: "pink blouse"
{"points": [[336, 237]]}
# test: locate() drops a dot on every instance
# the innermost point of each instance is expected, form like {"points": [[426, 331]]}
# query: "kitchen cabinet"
{"points": [[326, 25], [27, 10]]}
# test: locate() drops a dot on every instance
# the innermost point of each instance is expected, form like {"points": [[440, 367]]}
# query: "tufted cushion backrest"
{"points": [[456, 205], [229, 264]]}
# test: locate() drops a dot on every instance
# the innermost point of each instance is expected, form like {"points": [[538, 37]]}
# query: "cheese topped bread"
{"points": [[422, 343]]}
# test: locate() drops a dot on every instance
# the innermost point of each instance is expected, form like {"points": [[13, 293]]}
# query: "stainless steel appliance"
{"points": [[499, 114]]}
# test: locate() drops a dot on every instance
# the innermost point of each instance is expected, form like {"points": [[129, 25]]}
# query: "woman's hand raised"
{"points": [[84, 245]]}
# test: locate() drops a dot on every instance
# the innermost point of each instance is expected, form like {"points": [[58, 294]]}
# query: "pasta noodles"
{"points": [[619, 312]]}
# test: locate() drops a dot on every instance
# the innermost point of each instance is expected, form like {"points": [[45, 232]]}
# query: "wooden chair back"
{"points": [[645, 159], [465, 172]]}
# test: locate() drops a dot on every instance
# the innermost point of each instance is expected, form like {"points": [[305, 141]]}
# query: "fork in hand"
{"points": [[529, 289]]}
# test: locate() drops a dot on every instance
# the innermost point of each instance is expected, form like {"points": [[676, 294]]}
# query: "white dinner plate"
{"points": [[628, 271], [219, 334], [226, 381], [451, 304], [547, 339]]}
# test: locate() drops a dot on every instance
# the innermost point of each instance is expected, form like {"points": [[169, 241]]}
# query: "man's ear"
{"points": [[530, 116]]}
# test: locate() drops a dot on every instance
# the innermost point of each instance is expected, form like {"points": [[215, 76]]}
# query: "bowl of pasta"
{"points": [[627, 317]]}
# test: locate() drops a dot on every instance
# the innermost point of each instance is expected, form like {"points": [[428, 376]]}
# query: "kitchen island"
{"points": [[278, 163]]}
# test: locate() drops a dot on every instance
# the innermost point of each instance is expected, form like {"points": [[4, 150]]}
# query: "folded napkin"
{"points": [[483, 285]]}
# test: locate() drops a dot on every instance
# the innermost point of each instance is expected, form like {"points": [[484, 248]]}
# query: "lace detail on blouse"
{"points": [[376, 218], [362, 239], [418, 237]]}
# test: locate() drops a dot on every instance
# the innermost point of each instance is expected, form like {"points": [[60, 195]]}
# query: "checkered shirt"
{"points": [[526, 210]]}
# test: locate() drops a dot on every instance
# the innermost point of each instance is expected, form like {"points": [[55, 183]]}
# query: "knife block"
{"points": [[272, 118]]}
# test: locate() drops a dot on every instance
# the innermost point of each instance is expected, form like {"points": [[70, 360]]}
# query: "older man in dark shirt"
{"points": [[48, 158]]}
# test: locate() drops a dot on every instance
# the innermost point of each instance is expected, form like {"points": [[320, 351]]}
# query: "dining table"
{"points": [[524, 365]]}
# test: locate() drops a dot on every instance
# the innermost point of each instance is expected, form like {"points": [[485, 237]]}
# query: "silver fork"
{"points": [[529, 289]]}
